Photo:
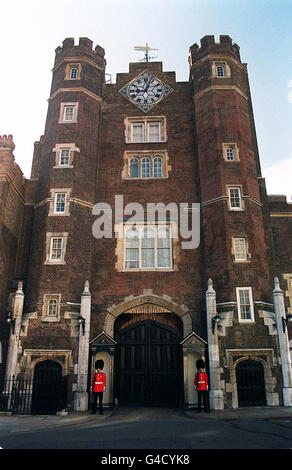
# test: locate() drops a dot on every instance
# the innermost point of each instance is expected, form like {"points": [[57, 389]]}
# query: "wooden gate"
{"points": [[250, 383], [148, 363]]}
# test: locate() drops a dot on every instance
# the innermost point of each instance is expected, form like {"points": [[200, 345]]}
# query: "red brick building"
{"points": [[144, 298]]}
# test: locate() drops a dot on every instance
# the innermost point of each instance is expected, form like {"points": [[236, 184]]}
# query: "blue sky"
{"points": [[31, 31]]}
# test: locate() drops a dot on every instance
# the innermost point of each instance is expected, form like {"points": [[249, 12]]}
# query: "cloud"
{"points": [[279, 178]]}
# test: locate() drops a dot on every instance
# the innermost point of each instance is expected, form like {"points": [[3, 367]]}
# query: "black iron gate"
{"points": [[16, 395], [250, 383], [148, 365], [49, 393]]}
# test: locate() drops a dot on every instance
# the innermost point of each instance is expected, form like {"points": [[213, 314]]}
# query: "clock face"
{"points": [[145, 91]]}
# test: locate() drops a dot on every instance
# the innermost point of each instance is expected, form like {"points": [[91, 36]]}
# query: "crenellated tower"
{"points": [[232, 220], [65, 165]]}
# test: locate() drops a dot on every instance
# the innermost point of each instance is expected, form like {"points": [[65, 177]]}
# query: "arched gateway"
{"points": [[148, 362], [149, 351]]}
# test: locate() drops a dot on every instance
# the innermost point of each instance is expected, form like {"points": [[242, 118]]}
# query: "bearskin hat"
{"points": [[200, 364], [99, 364]]}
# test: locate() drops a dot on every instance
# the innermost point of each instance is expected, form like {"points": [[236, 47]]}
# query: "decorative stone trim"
{"points": [[52, 210], [139, 154], [45, 316], [269, 320], [288, 292], [49, 236], [31, 357], [115, 310]]}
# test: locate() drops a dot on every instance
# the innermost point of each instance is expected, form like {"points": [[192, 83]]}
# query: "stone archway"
{"points": [[131, 302]]}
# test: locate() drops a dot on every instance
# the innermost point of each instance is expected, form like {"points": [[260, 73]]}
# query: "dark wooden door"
{"points": [[49, 388], [250, 383], [148, 365]]}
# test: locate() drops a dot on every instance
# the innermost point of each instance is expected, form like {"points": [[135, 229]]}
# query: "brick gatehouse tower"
{"points": [[205, 270]]}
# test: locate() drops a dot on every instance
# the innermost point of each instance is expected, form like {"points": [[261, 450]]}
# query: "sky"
{"points": [[31, 30]]}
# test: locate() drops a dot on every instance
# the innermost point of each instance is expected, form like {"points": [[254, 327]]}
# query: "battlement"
{"points": [[209, 46], [6, 141], [83, 49]]}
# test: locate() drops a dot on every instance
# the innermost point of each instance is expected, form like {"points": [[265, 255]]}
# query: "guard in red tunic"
{"points": [[202, 386], [98, 384]]}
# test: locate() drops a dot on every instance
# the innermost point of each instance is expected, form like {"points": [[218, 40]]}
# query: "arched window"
{"points": [[157, 167], [132, 248], [53, 308], [73, 73], [220, 71], [148, 245], [146, 167], [230, 153], [163, 248], [134, 168]]}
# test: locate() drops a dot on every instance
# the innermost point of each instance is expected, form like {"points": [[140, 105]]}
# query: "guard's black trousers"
{"points": [[100, 396], [204, 394]]}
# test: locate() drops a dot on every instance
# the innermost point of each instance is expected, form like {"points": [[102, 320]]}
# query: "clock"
{"points": [[145, 91]]}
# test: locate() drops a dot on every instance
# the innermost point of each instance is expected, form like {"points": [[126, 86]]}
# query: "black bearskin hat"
{"points": [[200, 364], [99, 364]]}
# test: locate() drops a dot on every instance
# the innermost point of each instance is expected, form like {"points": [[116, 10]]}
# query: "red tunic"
{"points": [[202, 383], [98, 382]]}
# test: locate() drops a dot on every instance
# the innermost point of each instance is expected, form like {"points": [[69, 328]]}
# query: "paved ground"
{"points": [[151, 428]]}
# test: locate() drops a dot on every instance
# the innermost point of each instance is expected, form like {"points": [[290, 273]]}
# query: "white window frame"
{"points": [[129, 156], [234, 147], [240, 319], [58, 202], [145, 122], [63, 107], [241, 206], [225, 67], [234, 240], [49, 245], [65, 146], [45, 312], [77, 72], [69, 67], [140, 228], [53, 203]]}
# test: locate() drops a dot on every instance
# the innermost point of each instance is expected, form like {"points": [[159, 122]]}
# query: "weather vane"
{"points": [[146, 49]]}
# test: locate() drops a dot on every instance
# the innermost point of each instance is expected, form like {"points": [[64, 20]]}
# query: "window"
{"points": [[56, 244], [65, 155], [148, 129], [221, 69], [68, 113], [60, 202], [51, 307], [245, 304], [134, 168], [235, 199], [56, 248], [146, 165], [230, 152], [148, 247], [157, 167], [74, 73], [240, 249]]}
